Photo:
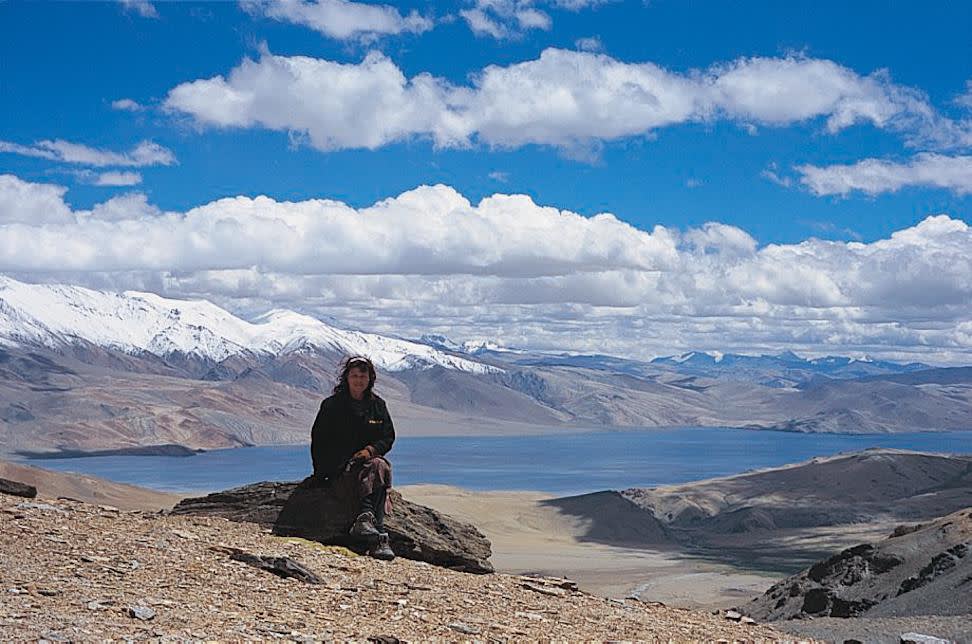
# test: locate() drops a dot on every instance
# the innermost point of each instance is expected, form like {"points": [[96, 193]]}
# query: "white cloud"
{"points": [[965, 99], [577, 5], [118, 179], [430, 259], [876, 176], [503, 19], [146, 153], [126, 105], [342, 19], [23, 202], [499, 175], [143, 8], [773, 174], [506, 19], [592, 43], [569, 99]]}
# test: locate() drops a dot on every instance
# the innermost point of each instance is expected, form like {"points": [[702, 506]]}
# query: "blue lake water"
{"points": [[567, 463]]}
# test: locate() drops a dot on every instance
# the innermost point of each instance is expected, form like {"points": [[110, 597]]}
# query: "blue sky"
{"points": [[711, 125]]}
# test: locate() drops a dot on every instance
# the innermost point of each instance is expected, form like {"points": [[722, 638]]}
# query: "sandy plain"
{"points": [[529, 537]]}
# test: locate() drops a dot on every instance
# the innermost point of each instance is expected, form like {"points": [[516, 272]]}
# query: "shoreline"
{"points": [[534, 431]]}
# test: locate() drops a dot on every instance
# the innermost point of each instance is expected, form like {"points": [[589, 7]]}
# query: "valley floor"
{"points": [[531, 538]]}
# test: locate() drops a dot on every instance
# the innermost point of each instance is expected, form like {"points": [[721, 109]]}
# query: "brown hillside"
{"points": [[80, 572]]}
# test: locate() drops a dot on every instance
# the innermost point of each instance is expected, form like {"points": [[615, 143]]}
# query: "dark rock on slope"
{"points": [[15, 488], [927, 571], [305, 510]]}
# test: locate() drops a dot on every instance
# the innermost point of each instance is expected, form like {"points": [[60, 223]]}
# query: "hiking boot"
{"points": [[382, 550], [364, 526]]}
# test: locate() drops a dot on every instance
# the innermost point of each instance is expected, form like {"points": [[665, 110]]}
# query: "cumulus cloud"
{"points": [[341, 19], [126, 105], [143, 8], [568, 99], [146, 153], [23, 202], [429, 259], [876, 176]]}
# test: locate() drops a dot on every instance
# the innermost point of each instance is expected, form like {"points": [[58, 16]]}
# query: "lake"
{"points": [[569, 463]]}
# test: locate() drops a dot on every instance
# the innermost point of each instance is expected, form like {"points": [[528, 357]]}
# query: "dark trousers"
{"points": [[365, 487]]}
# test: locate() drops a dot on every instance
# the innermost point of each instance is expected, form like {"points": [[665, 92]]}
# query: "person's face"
{"points": [[357, 381]]}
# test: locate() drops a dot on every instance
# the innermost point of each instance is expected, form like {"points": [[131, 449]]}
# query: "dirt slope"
{"points": [[76, 571]]}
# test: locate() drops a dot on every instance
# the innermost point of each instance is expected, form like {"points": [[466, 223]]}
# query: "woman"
{"points": [[351, 435]]}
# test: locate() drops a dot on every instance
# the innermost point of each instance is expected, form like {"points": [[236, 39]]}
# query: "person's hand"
{"points": [[361, 455]]}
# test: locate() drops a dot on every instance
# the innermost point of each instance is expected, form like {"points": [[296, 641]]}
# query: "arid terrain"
{"points": [[611, 544], [75, 571]]}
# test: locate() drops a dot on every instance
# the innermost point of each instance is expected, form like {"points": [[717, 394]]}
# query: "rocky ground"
{"points": [[75, 571]]}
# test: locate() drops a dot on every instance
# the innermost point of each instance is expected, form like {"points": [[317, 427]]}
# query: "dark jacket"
{"points": [[338, 433]]}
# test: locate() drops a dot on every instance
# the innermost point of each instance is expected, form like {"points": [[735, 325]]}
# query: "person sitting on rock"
{"points": [[351, 435]]}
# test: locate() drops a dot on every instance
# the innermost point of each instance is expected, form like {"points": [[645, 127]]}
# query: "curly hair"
{"points": [[356, 362]]}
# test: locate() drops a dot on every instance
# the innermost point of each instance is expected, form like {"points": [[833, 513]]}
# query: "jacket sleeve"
{"points": [[383, 443], [321, 451]]}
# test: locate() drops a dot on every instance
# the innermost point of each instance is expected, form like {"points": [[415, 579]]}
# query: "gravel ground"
{"points": [[880, 630], [79, 572]]}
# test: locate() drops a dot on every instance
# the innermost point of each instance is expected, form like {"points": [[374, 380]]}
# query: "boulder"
{"points": [[17, 489], [312, 512]]}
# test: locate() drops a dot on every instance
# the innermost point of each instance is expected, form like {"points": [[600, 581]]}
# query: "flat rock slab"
{"points": [[312, 512], [17, 489]]}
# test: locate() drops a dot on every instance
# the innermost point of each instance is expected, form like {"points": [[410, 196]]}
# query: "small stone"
{"points": [[747, 620], [94, 605], [733, 615], [48, 592], [533, 617], [543, 590], [93, 559], [44, 507], [143, 613], [918, 638], [16, 591], [464, 628]]}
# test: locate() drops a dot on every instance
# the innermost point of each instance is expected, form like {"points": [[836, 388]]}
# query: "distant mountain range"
{"points": [[135, 323], [86, 370]]}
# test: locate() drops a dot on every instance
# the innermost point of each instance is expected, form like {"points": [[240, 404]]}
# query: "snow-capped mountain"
{"points": [[469, 347], [787, 359], [57, 315]]}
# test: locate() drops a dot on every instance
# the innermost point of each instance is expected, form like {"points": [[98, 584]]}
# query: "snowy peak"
{"points": [[133, 322], [469, 347]]}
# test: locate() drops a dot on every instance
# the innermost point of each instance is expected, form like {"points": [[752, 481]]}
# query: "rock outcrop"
{"points": [[15, 488], [312, 512], [927, 571]]}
